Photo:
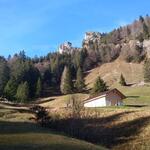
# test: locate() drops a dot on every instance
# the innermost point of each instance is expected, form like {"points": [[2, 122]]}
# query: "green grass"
{"points": [[18, 133], [136, 95]]}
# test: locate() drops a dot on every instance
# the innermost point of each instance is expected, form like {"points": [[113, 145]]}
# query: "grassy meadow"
{"points": [[125, 127], [136, 95], [18, 131]]}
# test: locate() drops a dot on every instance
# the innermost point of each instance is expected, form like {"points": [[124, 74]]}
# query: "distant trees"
{"points": [[23, 70], [145, 31], [4, 74], [99, 86], [66, 81], [18, 75], [122, 80]]}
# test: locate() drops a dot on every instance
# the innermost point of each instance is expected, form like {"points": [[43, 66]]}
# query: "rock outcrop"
{"points": [[67, 48]]}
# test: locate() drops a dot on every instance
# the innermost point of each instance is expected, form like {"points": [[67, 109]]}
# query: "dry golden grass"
{"points": [[61, 101], [18, 132], [110, 72], [114, 128]]}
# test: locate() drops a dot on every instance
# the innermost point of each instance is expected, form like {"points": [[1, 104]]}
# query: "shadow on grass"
{"points": [[47, 139], [101, 130], [51, 146], [20, 110], [136, 106], [130, 84], [132, 96], [7, 127], [44, 101]]}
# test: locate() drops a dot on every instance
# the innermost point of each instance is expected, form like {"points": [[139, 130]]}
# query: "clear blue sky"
{"points": [[39, 26]]}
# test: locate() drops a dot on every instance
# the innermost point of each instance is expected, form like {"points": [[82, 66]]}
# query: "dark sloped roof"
{"points": [[104, 94]]}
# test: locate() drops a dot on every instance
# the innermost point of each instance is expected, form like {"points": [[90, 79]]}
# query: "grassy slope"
{"points": [[132, 128], [61, 101], [133, 73], [17, 132], [117, 127], [29, 136], [110, 72], [136, 95]]}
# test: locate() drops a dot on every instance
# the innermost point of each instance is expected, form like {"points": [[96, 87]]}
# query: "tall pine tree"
{"points": [[47, 77], [99, 86], [66, 85], [22, 94], [10, 89], [80, 83], [122, 80], [38, 88], [4, 74]]}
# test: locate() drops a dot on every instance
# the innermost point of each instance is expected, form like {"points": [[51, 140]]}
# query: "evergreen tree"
{"points": [[31, 76], [140, 37], [99, 86], [10, 89], [122, 80], [38, 88], [22, 94], [4, 74], [22, 55], [66, 82], [145, 31], [80, 84], [141, 19], [47, 76], [147, 70]]}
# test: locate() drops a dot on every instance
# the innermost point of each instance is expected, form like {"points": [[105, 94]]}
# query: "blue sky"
{"points": [[39, 26]]}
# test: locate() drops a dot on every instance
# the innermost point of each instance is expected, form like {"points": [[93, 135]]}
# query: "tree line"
{"points": [[21, 80]]}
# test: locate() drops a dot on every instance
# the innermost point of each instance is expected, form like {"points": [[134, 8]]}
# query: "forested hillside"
{"points": [[23, 78]]}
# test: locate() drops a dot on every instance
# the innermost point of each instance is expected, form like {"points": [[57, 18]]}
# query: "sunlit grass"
{"points": [[17, 132]]}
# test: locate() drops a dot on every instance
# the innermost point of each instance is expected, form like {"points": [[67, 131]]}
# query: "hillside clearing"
{"points": [[110, 72]]}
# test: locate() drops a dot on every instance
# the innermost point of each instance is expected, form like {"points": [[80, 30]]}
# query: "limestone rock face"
{"points": [[67, 48], [92, 36]]}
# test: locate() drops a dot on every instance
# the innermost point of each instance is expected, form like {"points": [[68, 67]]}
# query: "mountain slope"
{"points": [[111, 72]]}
